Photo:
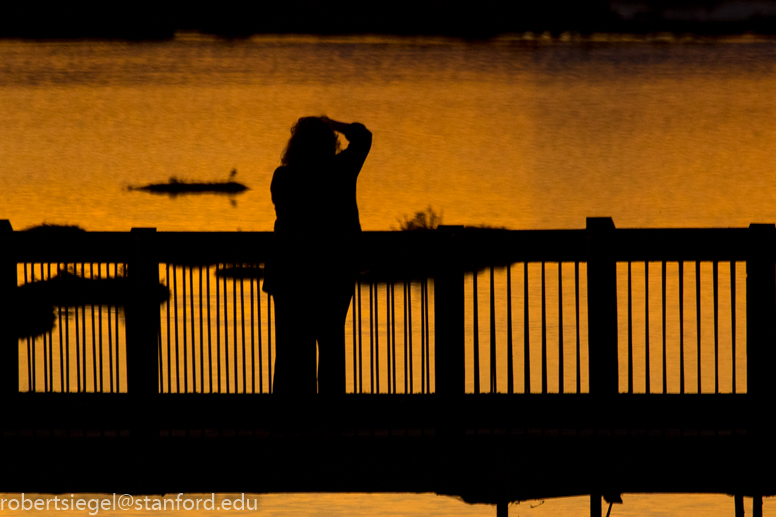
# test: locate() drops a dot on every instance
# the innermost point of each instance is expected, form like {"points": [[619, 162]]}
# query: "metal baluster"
{"points": [[388, 326], [175, 326], [30, 351], [360, 344], [110, 338], [409, 324], [698, 316], [45, 350], [183, 326], [77, 336], [61, 354], [118, 348], [242, 327], [665, 354], [94, 335], [646, 328], [201, 336], [377, 344], [159, 351], [406, 352], [544, 333], [393, 334], [269, 341], [226, 334], [83, 327], [576, 308], [67, 343], [258, 324], [99, 316], [371, 340], [510, 359], [169, 330], [428, 343], [526, 334], [209, 331], [218, 332], [560, 328], [355, 340], [492, 332], [253, 343], [51, 344], [31, 343], [422, 339], [476, 332], [630, 329], [733, 318], [681, 326], [715, 274], [193, 331], [234, 329]]}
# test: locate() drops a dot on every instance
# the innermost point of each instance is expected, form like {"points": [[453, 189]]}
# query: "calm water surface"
{"points": [[501, 133], [504, 134]]}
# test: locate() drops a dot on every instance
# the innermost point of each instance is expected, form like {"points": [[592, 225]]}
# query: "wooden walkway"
{"points": [[486, 447]]}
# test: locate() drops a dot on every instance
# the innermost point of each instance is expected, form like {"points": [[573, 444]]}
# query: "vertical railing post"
{"points": [[142, 316], [739, 505], [602, 306], [761, 311], [595, 505], [9, 345], [449, 355]]}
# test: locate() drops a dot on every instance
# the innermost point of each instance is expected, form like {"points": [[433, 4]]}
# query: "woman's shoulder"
{"points": [[280, 172], [278, 180]]}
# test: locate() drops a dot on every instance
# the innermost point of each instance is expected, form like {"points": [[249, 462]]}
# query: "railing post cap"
{"points": [[599, 223], [762, 226], [5, 225]]}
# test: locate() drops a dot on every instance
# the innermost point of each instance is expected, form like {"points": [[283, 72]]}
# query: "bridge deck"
{"points": [[486, 448]]}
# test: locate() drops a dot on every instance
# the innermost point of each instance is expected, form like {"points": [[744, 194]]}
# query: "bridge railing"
{"points": [[650, 311], [456, 310]]}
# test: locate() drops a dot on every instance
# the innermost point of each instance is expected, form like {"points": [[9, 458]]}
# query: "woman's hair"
{"points": [[312, 140]]}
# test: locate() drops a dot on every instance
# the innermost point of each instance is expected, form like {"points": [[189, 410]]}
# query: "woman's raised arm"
{"points": [[351, 131]]}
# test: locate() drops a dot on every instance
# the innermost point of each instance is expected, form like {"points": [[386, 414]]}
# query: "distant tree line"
{"points": [[230, 18]]}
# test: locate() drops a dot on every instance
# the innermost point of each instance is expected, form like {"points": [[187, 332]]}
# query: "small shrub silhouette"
{"points": [[426, 219]]}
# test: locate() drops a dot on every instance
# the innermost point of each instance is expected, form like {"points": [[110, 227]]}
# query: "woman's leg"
{"points": [[294, 346], [330, 331]]}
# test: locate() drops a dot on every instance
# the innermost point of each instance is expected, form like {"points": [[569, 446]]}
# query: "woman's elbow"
{"points": [[359, 131], [366, 137]]}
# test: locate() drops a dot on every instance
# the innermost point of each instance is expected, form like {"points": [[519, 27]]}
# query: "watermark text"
{"points": [[117, 502]]}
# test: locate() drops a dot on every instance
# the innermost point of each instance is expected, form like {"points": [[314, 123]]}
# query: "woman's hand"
{"points": [[336, 125]]}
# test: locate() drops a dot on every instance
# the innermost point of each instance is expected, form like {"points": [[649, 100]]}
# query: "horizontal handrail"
{"points": [[475, 244]]}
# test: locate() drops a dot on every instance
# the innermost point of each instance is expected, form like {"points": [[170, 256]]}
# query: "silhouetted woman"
{"points": [[311, 276]]}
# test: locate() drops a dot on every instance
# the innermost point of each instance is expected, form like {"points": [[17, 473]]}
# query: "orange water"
{"points": [[503, 134]]}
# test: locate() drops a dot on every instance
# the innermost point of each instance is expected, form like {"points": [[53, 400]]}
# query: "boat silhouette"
{"points": [[176, 186]]}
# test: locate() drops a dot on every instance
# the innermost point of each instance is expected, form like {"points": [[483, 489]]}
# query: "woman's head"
{"points": [[312, 140]]}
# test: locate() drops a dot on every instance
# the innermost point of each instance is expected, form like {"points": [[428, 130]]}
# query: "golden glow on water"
{"points": [[508, 135]]}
